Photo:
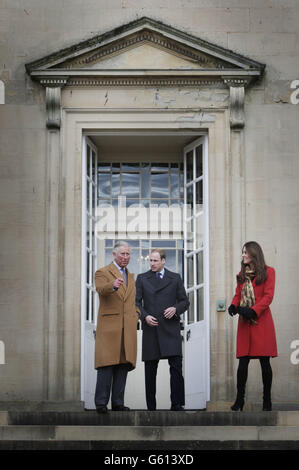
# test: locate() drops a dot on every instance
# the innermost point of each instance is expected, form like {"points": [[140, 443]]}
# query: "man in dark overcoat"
{"points": [[161, 299]]}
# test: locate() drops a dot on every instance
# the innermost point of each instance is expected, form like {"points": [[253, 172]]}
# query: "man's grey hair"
{"points": [[118, 244]]}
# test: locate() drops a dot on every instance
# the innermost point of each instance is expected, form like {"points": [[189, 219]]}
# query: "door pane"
{"points": [[200, 304], [190, 271], [199, 195], [199, 221], [199, 259], [159, 183], [115, 184], [189, 162], [190, 312], [198, 168], [103, 185], [130, 185]]}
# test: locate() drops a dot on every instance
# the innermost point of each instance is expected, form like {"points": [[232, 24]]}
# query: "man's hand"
{"points": [[169, 312], [117, 283], [151, 321]]}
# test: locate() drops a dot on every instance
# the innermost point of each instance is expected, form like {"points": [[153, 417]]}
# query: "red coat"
{"points": [[260, 339]]}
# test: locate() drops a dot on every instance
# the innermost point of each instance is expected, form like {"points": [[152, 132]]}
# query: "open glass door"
{"points": [[196, 249], [89, 297]]}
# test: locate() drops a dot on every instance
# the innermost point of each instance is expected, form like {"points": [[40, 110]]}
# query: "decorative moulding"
{"points": [[113, 59]]}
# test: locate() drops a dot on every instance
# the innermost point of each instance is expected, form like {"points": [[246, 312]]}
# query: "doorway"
{"points": [[151, 190]]}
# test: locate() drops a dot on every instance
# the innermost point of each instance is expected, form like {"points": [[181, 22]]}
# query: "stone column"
{"points": [[237, 193], [53, 255]]}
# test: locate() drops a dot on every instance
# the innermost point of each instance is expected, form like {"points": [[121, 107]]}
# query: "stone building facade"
{"points": [[139, 82]]}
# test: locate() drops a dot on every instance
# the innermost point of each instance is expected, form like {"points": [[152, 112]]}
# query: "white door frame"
{"points": [[197, 330], [206, 264]]}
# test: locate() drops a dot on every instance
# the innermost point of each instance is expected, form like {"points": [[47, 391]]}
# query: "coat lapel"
{"points": [[114, 271]]}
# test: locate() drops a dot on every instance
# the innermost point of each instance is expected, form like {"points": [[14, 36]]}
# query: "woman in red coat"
{"points": [[256, 333]]}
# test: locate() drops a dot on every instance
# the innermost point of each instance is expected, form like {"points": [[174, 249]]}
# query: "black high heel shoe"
{"points": [[238, 405], [267, 405]]}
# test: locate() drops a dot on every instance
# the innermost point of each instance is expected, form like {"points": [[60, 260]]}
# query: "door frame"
{"points": [[203, 324], [197, 134]]}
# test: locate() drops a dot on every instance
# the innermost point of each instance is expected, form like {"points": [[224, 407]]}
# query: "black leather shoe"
{"points": [[102, 409], [120, 408], [177, 408]]}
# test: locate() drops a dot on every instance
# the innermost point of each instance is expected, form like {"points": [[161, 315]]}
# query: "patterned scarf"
{"points": [[247, 293]]}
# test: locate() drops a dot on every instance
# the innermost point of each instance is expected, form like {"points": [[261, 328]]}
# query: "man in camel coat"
{"points": [[116, 335]]}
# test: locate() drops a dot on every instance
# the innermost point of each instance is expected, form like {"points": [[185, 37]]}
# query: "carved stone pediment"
{"points": [[144, 49], [147, 53]]}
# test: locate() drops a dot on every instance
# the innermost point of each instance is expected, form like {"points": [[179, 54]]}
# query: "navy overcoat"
{"points": [[153, 296]]}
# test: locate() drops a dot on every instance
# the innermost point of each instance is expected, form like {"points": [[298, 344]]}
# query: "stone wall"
{"points": [[264, 30]]}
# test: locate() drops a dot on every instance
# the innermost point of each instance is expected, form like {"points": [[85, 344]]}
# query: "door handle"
{"points": [[94, 333], [188, 335]]}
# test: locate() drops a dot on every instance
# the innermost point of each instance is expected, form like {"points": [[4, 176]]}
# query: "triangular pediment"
{"points": [[144, 47]]}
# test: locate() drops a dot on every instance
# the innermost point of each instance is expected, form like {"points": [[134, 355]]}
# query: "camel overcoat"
{"points": [[116, 335], [260, 339]]}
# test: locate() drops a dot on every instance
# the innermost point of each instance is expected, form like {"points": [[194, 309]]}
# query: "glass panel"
{"points": [[163, 243], [104, 202], [199, 231], [130, 167], [134, 261], [88, 161], [190, 272], [200, 304], [189, 163], [174, 183], [159, 183], [115, 184], [199, 257], [145, 191], [191, 307], [198, 154], [130, 184], [104, 167], [181, 185], [190, 235], [190, 197], [180, 263], [93, 164], [116, 167], [144, 261], [103, 185], [170, 260], [159, 167], [87, 304], [199, 195]]}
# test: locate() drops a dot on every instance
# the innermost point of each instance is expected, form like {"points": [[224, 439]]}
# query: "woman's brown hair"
{"points": [[257, 260]]}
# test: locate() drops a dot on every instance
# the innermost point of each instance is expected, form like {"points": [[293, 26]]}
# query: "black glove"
{"points": [[232, 310], [247, 312]]}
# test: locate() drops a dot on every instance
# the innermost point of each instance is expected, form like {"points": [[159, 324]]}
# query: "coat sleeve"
{"points": [[139, 298], [104, 286], [237, 297], [263, 303], [182, 300]]}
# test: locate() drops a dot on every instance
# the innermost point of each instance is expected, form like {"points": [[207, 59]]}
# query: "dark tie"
{"points": [[159, 275], [124, 273]]}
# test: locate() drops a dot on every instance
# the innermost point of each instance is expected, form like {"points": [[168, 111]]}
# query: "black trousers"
{"points": [[242, 374], [177, 387], [111, 379]]}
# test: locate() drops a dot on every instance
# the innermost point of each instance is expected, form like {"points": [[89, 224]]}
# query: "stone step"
{"points": [[137, 430], [149, 418]]}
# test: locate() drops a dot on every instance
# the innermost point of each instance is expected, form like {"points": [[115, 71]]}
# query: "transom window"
{"points": [[141, 183]]}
